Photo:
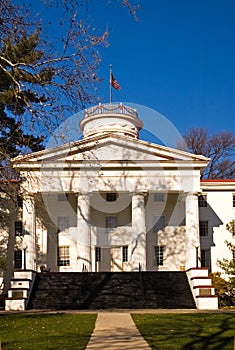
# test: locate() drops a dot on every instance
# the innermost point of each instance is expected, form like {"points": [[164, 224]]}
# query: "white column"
{"points": [[29, 233], [192, 230], [84, 232], [138, 256]]}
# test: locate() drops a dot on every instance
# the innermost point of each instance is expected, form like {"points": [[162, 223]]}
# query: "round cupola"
{"points": [[111, 118]]}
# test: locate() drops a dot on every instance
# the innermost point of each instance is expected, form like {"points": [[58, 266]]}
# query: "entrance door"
{"points": [[116, 259], [109, 259], [104, 260]]}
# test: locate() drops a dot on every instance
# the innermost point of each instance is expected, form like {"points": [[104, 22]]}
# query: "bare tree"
{"points": [[41, 82], [220, 148], [44, 78]]}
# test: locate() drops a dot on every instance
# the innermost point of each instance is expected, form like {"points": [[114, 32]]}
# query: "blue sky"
{"points": [[178, 59]]}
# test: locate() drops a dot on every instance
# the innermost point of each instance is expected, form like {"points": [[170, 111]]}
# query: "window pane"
{"points": [[63, 256], [202, 201], [18, 259], [233, 253], [125, 254], [98, 254], [111, 197], [18, 228], [19, 202], [159, 252], [203, 228], [205, 258], [234, 200], [159, 197]]}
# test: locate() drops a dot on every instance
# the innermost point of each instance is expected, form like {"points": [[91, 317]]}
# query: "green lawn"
{"points": [[187, 331], [50, 331], [162, 331]]}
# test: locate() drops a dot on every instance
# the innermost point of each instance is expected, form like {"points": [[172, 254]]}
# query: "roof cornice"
{"points": [[90, 142]]}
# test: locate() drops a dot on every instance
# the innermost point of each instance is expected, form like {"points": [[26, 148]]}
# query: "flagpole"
{"points": [[110, 83]]}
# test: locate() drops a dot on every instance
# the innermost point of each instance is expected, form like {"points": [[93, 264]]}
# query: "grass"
{"points": [[205, 331], [187, 331], [50, 331]]}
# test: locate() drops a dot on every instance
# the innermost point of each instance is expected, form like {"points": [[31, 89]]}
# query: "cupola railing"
{"points": [[107, 108]]}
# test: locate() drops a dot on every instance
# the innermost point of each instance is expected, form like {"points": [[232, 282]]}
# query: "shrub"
{"points": [[225, 289]]}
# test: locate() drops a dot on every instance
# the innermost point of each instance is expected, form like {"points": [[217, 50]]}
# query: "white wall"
{"points": [[219, 212]]}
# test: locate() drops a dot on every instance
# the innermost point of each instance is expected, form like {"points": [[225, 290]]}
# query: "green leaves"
{"points": [[22, 49]]}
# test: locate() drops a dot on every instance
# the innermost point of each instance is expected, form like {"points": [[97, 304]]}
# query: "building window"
{"points": [[159, 253], [159, 197], [19, 200], [62, 197], [111, 222], [159, 223], [17, 259], [62, 223], [205, 258], [63, 256], [111, 197], [203, 228], [202, 201], [97, 254], [233, 253], [233, 200], [125, 254], [18, 228]]}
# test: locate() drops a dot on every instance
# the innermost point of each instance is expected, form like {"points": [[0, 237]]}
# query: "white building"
{"points": [[111, 202], [216, 211]]}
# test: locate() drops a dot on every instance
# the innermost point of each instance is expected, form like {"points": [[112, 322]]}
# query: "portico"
{"points": [[111, 202]]}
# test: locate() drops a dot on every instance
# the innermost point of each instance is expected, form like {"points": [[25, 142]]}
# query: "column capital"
{"points": [[192, 194], [28, 196], [139, 193], [84, 194]]}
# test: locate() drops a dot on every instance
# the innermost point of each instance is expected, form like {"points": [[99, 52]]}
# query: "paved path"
{"points": [[116, 330]]}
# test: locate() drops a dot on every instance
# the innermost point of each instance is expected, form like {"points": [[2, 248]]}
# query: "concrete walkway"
{"points": [[116, 330]]}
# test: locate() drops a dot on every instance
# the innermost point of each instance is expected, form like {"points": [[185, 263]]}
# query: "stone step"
{"points": [[20, 283], [18, 293], [18, 304], [201, 281], [24, 274]]}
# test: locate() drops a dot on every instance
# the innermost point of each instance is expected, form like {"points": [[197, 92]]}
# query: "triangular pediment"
{"points": [[110, 147]]}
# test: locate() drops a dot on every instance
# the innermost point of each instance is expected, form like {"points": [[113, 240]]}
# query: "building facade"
{"points": [[216, 222], [112, 202]]}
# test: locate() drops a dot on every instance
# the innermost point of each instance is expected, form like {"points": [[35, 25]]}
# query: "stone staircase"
{"points": [[111, 290], [20, 290], [169, 290], [202, 289]]}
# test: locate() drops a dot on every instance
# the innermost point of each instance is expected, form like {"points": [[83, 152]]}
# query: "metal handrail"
{"points": [[117, 108]]}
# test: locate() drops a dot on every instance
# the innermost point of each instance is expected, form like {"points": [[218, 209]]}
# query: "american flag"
{"points": [[114, 83]]}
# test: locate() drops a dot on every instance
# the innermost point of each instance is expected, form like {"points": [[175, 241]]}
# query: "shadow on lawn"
{"points": [[51, 331], [204, 331], [221, 335]]}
